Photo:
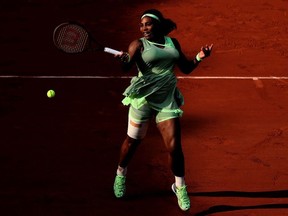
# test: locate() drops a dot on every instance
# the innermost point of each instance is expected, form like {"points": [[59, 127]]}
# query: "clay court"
{"points": [[58, 156]]}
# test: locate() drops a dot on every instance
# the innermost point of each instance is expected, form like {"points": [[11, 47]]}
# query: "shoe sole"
{"points": [[173, 187]]}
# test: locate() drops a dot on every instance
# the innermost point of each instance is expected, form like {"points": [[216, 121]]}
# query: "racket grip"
{"points": [[111, 51]]}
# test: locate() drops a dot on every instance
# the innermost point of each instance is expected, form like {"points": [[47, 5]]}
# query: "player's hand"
{"points": [[123, 56], [205, 51]]}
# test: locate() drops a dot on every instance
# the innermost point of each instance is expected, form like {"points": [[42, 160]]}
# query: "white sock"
{"points": [[179, 181], [121, 171]]}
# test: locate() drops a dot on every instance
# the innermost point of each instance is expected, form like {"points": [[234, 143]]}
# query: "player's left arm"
{"points": [[186, 65]]}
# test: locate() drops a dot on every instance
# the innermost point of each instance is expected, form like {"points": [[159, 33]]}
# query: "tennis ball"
{"points": [[50, 93]]}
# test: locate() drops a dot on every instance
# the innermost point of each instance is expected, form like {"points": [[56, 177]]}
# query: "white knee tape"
{"points": [[137, 130]]}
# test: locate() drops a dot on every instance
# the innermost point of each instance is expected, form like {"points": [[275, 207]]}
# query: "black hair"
{"points": [[166, 25]]}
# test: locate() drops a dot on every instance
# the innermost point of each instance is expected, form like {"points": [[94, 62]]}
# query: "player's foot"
{"points": [[119, 186], [182, 196]]}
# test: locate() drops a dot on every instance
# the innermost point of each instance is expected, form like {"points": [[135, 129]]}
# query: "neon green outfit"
{"points": [[156, 82]]}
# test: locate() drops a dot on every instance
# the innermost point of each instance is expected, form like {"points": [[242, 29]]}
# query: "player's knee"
{"points": [[171, 144], [133, 142]]}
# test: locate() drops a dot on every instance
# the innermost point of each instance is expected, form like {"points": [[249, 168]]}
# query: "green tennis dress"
{"points": [[156, 82]]}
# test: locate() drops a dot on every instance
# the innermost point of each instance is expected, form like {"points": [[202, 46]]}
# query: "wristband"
{"points": [[198, 58]]}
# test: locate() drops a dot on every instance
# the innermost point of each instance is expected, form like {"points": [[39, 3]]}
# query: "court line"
{"points": [[129, 77]]}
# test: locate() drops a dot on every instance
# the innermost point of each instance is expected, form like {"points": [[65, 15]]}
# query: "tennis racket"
{"points": [[72, 37]]}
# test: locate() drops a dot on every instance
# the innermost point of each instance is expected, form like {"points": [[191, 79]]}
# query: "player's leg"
{"points": [[137, 129], [127, 151], [171, 132]]}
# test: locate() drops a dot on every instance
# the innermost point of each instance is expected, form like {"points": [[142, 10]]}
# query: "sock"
{"points": [[179, 181], [121, 171]]}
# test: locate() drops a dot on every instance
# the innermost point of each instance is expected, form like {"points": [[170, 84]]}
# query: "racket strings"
{"points": [[71, 38]]}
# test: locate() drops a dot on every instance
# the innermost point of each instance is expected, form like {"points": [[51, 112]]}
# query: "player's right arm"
{"points": [[132, 55]]}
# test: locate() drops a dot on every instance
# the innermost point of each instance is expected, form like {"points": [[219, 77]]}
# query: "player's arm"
{"points": [[187, 66], [130, 57]]}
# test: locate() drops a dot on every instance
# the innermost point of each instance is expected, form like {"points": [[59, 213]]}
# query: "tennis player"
{"points": [[153, 94]]}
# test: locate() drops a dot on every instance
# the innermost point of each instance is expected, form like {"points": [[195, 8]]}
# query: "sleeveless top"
{"points": [[156, 81]]}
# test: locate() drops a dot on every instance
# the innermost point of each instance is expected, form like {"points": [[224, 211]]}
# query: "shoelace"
{"points": [[120, 183], [183, 195]]}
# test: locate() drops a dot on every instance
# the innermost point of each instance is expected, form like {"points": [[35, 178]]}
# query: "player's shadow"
{"points": [[227, 208], [194, 124]]}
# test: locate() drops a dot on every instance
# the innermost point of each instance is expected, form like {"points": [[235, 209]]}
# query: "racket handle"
{"points": [[111, 51]]}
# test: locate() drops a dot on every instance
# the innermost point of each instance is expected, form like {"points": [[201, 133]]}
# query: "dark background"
{"points": [[59, 156]]}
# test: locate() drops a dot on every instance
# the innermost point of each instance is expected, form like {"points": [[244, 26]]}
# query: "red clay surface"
{"points": [[58, 156]]}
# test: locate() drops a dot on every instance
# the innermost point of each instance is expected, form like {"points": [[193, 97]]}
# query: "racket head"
{"points": [[71, 37]]}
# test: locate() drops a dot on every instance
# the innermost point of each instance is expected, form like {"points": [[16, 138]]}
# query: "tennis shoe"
{"points": [[119, 186], [182, 196]]}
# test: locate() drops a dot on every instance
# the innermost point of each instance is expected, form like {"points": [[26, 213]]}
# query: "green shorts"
{"points": [[145, 113], [138, 120]]}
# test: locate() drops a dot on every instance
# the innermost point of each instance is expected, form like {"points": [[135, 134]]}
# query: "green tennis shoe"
{"points": [[119, 186], [182, 196]]}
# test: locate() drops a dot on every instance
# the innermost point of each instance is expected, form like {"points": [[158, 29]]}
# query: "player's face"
{"points": [[147, 27]]}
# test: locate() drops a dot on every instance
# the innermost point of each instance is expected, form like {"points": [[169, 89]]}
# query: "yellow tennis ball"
{"points": [[51, 93]]}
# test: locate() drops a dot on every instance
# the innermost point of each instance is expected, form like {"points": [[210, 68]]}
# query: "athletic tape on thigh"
{"points": [[138, 122], [137, 130]]}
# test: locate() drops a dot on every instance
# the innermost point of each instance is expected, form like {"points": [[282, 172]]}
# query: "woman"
{"points": [[153, 93]]}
